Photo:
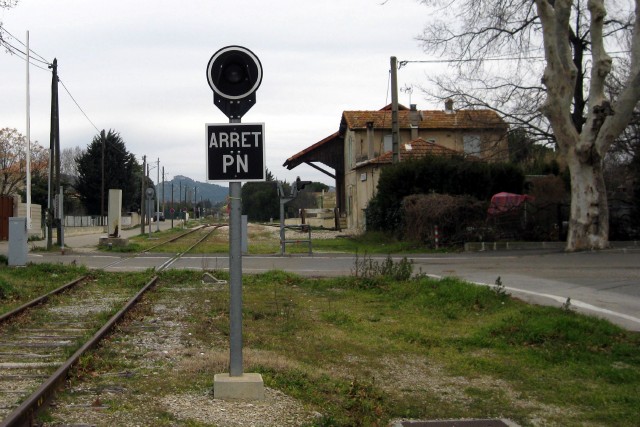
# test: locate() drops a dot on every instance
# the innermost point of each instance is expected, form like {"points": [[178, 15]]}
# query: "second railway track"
{"points": [[171, 250]]}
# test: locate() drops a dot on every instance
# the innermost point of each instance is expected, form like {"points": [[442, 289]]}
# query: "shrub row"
{"points": [[444, 175]]}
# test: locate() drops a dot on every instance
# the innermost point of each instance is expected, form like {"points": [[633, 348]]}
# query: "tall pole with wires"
{"points": [[103, 141], [28, 141], [395, 132], [142, 194], [53, 134]]}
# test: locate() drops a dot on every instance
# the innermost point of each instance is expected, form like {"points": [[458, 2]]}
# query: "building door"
{"points": [[6, 211]]}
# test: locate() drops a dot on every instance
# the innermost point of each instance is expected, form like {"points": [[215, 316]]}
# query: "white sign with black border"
{"points": [[235, 152]]}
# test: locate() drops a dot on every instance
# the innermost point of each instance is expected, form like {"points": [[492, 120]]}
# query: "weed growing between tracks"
{"points": [[19, 285], [361, 352]]}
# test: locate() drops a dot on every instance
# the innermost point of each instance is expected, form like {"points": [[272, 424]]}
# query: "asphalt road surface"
{"points": [[603, 283]]}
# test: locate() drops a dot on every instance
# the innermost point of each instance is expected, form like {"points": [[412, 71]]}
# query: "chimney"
{"points": [[370, 154], [448, 105], [414, 121]]}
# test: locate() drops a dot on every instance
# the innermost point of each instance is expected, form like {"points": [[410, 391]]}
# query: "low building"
{"points": [[363, 145]]}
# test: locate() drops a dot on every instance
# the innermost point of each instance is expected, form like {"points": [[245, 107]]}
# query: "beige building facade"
{"points": [[362, 147]]}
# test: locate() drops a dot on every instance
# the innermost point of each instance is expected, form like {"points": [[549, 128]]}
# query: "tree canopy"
{"points": [[545, 65], [121, 171], [13, 157], [260, 199]]}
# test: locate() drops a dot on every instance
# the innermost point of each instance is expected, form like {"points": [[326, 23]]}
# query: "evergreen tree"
{"points": [[121, 171], [260, 199]]}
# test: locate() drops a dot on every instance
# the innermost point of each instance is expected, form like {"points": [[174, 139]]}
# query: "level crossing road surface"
{"points": [[604, 283]]}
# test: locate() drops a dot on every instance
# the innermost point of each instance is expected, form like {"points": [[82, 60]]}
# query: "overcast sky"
{"points": [[138, 67]]}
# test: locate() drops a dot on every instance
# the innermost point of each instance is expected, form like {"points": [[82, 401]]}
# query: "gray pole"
{"points": [[235, 276], [172, 206], [395, 137], [143, 216], [102, 140], [158, 197]]}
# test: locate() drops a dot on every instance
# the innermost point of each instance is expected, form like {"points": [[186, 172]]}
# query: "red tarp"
{"points": [[506, 202]]}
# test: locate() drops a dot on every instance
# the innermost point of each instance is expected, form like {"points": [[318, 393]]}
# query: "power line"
{"points": [[40, 58], [15, 50], [454, 61], [449, 61], [78, 105]]}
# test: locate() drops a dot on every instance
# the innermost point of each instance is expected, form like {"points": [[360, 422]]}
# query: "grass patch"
{"points": [[362, 355], [517, 360], [266, 241], [20, 285]]}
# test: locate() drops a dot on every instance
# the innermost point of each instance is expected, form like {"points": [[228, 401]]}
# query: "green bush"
{"points": [[443, 175]]}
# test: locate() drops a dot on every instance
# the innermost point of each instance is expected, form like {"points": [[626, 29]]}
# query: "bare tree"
{"points": [[571, 102], [68, 160]]}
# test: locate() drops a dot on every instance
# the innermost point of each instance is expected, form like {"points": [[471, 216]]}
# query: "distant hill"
{"points": [[212, 192]]}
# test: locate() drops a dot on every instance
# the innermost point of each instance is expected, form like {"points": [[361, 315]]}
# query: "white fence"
{"points": [[84, 221], [130, 220]]}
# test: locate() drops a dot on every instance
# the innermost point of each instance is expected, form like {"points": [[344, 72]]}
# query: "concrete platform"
{"points": [[243, 387], [113, 241]]}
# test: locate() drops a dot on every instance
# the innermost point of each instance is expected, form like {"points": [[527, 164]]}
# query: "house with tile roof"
{"points": [[362, 147]]}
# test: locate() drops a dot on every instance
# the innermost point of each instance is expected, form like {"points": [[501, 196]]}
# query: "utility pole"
{"points": [[172, 207], [53, 138], [142, 194], [164, 207], [158, 196], [395, 131], [28, 140], [103, 140], [57, 160], [195, 201]]}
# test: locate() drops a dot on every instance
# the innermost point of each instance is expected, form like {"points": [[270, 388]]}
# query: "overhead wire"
{"points": [[17, 51], [39, 58], [35, 56], [78, 105]]}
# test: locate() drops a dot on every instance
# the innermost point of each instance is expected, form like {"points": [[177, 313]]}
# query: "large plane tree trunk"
{"points": [[584, 147], [589, 218]]}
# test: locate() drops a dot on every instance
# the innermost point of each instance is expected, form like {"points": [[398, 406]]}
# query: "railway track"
{"points": [[37, 338], [191, 239], [42, 340]]}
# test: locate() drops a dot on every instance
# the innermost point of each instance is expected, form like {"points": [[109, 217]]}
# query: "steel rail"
{"points": [[40, 299], [25, 414], [121, 260], [176, 257], [173, 239]]}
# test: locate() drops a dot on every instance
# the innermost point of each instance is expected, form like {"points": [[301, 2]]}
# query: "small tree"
{"points": [[13, 156]]}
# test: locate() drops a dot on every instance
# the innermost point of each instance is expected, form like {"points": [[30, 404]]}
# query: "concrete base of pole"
{"points": [[243, 387], [113, 241]]}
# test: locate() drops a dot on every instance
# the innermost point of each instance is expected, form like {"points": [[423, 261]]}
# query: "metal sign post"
{"points": [[150, 192], [234, 74]]}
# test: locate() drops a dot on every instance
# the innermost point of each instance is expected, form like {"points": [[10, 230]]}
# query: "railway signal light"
{"points": [[234, 74], [301, 184]]}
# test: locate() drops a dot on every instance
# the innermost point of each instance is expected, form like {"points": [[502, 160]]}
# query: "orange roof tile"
{"points": [[415, 149], [425, 119]]}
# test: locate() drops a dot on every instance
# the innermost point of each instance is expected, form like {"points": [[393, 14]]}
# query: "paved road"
{"points": [[604, 283]]}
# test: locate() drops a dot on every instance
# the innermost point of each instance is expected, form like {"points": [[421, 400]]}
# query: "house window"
{"points": [[388, 143], [471, 144]]}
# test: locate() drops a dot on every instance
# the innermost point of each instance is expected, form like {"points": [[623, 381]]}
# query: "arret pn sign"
{"points": [[235, 152]]}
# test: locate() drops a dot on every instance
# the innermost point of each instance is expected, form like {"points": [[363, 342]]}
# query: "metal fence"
{"points": [[85, 221]]}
